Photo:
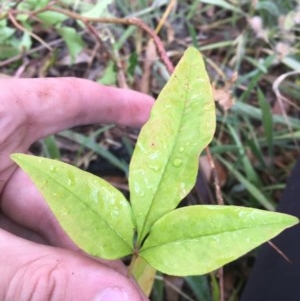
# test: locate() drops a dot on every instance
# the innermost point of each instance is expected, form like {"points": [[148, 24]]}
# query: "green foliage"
{"points": [[72, 39], [267, 119], [224, 4], [110, 75], [50, 148], [200, 287], [13, 43], [6, 40], [250, 136], [95, 214], [165, 161], [186, 241], [199, 239], [90, 143], [100, 9], [51, 17]]}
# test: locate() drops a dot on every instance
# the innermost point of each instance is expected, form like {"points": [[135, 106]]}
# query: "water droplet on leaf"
{"points": [[177, 162], [71, 179], [154, 167], [52, 168]]}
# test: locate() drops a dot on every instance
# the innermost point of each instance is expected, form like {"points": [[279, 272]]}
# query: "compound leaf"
{"points": [[95, 215], [198, 239], [165, 161]]}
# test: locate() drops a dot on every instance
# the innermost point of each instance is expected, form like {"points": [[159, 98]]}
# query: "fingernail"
{"points": [[112, 294]]}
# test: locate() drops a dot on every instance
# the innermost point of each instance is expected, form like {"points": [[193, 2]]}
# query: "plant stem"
{"points": [[143, 273], [25, 30], [123, 21], [220, 201]]}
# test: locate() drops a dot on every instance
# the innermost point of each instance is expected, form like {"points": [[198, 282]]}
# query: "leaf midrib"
{"points": [[182, 239]]}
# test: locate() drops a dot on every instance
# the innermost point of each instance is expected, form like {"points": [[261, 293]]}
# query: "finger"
{"points": [[14, 228], [33, 108], [36, 272], [30, 211], [51, 105]]}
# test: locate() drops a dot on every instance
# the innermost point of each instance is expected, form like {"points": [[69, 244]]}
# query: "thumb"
{"points": [[30, 271]]}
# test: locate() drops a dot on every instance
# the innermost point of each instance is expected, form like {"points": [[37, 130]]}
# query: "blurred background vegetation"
{"points": [[252, 53]]}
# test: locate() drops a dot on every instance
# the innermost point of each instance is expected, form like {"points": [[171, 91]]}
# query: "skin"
{"points": [[37, 260]]}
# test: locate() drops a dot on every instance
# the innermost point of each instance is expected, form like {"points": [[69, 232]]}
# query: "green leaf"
{"points": [[32, 4], [267, 119], [7, 51], [25, 42], [93, 213], [109, 76], [200, 287], [5, 31], [50, 148], [291, 62], [251, 174], [73, 40], [90, 143], [164, 165], [99, 9], [222, 3], [198, 239], [252, 189], [269, 6], [52, 17]]}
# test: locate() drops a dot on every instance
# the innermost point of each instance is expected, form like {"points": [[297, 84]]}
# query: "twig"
{"points": [[279, 251], [125, 21], [176, 289], [151, 51], [17, 4], [217, 185], [116, 57], [220, 201], [20, 27], [33, 50], [165, 16]]}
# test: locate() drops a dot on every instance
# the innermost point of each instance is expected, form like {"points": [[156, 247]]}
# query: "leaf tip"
{"points": [[15, 156], [288, 219], [294, 220]]}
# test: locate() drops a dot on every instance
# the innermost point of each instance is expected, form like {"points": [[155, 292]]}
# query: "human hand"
{"points": [[38, 261]]}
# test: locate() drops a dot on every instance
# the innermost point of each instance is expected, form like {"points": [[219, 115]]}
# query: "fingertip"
{"points": [[139, 108]]}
